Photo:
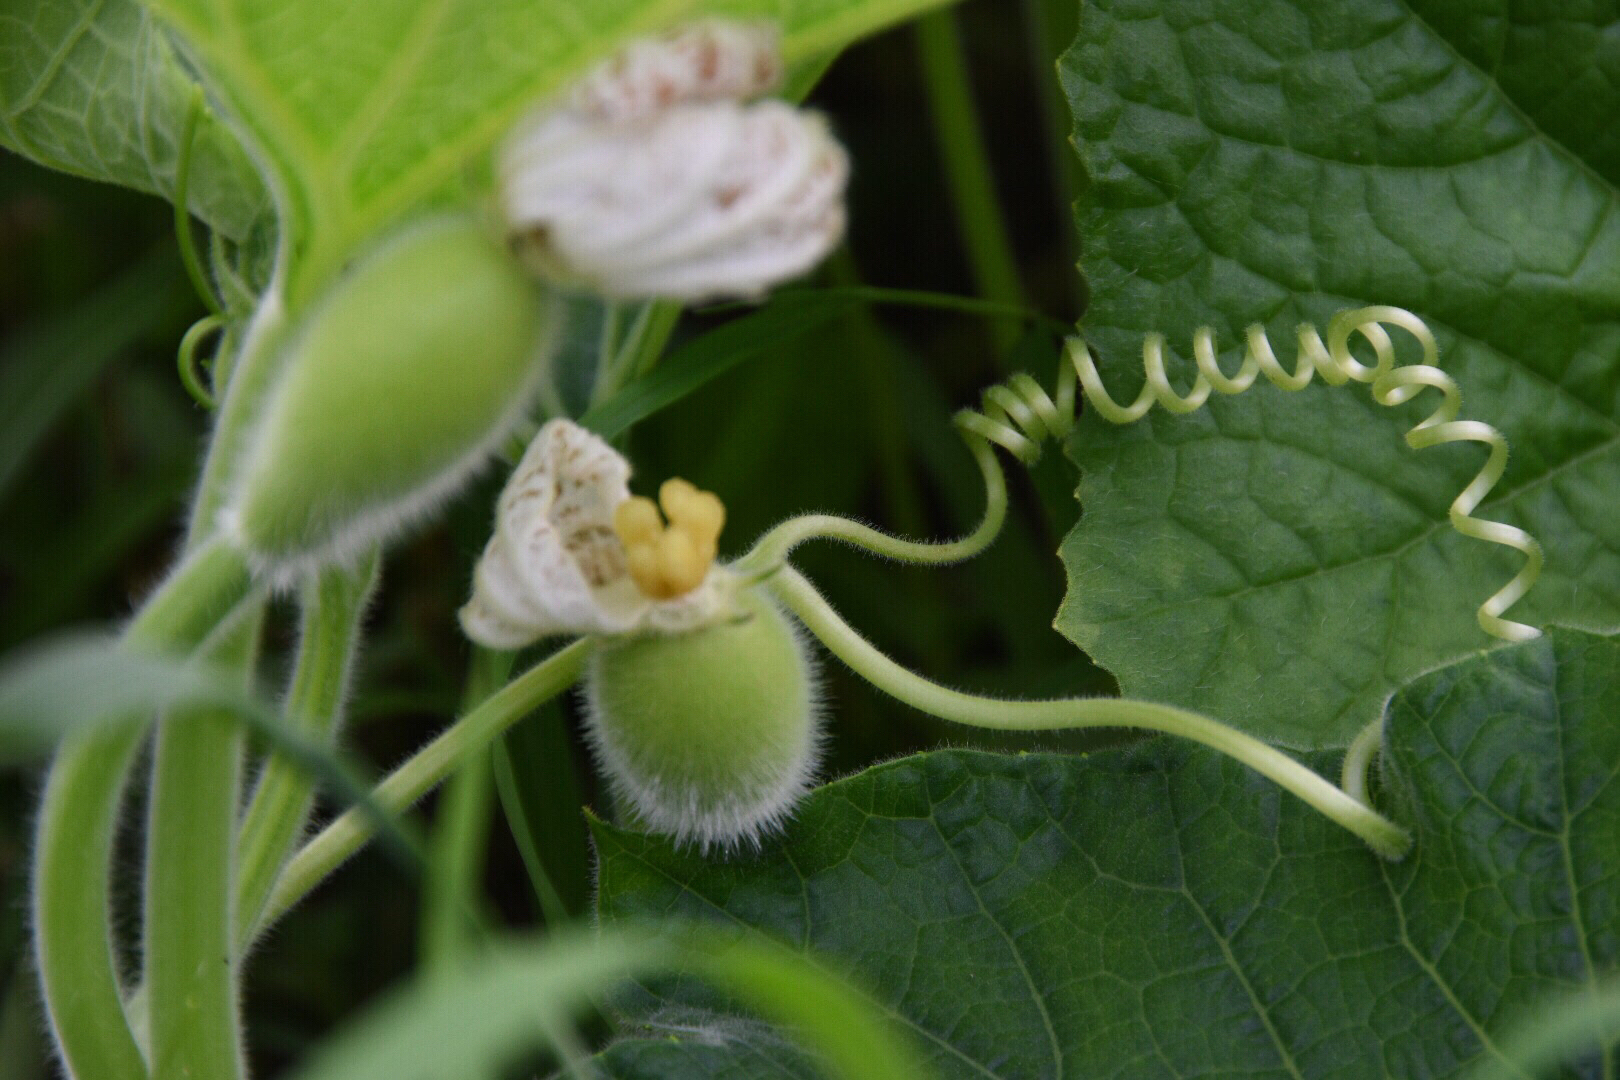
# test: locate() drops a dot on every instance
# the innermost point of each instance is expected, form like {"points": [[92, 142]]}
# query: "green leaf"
{"points": [[1283, 561], [1163, 912], [92, 87], [365, 110]]}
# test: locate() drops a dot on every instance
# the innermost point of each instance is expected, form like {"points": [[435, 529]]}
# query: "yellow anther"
{"points": [[680, 565], [636, 521], [674, 494], [666, 561]]}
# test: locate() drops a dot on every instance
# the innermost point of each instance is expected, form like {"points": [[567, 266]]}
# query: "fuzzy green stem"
{"points": [[962, 151], [191, 969], [334, 604], [456, 852], [72, 939], [1359, 758], [240, 382], [425, 769], [793, 590], [770, 551]]}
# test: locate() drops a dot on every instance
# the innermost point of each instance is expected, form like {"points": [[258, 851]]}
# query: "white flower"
{"points": [[556, 563], [654, 178]]}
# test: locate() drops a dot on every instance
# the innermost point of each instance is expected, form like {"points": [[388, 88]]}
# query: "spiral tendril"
{"points": [[1020, 415]]}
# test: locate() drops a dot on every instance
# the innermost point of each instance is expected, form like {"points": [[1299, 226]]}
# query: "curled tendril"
{"points": [[191, 368], [1020, 415]]}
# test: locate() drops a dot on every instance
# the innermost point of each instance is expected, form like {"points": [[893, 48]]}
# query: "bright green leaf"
{"points": [[92, 87], [1283, 561], [1164, 912]]}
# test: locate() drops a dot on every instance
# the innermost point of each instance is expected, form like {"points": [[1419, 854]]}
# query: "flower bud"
{"points": [[711, 736], [397, 383]]}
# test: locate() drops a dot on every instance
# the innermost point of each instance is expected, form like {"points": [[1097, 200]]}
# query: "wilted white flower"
{"points": [[655, 178], [574, 553]]}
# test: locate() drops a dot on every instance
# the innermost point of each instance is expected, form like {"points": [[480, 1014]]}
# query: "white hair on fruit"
{"points": [[760, 790], [555, 565], [656, 177], [703, 707]]}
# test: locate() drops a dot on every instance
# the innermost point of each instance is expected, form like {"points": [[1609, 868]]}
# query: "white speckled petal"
{"points": [[554, 565]]}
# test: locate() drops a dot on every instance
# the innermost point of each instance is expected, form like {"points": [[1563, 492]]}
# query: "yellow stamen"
{"points": [[637, 522], [666, 561]]}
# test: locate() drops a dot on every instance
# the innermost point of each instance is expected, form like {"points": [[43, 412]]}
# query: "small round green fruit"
{"points": [[396, 384], [713, 735]]}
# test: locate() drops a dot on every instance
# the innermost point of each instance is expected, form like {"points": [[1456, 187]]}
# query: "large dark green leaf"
{"points": [[1163, 912], [1281, 560]]}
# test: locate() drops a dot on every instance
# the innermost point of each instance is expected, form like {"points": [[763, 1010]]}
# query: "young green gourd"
{"points": [[702, 702], [710, 736]]}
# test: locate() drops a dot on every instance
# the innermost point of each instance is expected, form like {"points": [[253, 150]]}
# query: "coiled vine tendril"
{"points": [[1020, 415]]}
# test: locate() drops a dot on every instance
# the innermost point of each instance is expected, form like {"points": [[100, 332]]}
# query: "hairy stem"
{"points": [[241, 382], [771, 549], [424, 770], [72, 937], [334, 603], [1382, 835], [191, 969]]}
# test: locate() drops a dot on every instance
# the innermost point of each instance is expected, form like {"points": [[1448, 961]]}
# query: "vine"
{"points": [[1020, 416]]}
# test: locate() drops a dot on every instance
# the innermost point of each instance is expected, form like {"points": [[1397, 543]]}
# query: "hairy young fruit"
{"points": [[711, 735], [397, 383]]}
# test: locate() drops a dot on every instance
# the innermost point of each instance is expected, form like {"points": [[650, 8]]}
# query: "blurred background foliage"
{"points": [[99, 448]]}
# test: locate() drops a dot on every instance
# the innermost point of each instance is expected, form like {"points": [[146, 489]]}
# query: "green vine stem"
{"points": [[1020, 416], [799, 596], [1358, 760], [770, 551], [240, 383], [962, 151], [455, 852], [333, 845], [333, 606], [191, 968], [73, 846]]}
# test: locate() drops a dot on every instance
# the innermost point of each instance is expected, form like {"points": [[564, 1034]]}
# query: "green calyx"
{"points": [[712, 735], [398, 380]]}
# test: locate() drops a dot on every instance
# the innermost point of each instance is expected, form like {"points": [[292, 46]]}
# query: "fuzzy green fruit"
{"points": [[713, 735], [396, 384]]}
